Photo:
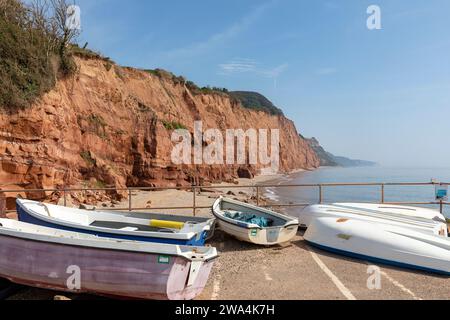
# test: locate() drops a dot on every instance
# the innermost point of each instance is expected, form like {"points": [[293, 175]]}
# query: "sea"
{"points": [[376, 174]]}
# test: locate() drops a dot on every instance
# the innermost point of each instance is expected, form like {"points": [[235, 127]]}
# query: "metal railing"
{"points": [[196, 190]]}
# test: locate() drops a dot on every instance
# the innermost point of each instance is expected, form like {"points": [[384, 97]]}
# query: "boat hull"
{"points": [[102, 271], [266, 236], [379, 243], [25, 216], [284, 232], [419, 219]]}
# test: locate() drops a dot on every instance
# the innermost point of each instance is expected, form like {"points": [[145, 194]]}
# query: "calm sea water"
{"points": [[362, 194]]}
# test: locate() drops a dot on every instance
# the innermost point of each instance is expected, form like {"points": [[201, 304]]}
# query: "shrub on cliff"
{"points": [[173, 125], [34, 44], [195, 90], [255, 101], [167, 75]]}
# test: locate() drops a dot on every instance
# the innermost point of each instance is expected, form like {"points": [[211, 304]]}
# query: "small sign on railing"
{"points": [[442, 192]]}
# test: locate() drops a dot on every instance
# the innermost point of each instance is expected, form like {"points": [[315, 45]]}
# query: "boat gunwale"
{"points": [[145, 234], [388, 214]]}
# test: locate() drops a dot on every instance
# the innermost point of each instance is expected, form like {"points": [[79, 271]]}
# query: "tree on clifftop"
{"points": [[34, 49]]}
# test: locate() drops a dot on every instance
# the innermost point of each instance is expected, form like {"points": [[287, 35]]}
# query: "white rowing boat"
{"points": [[253, 224], [47, 258], [419, 219], [147, 227], [381, 243]]}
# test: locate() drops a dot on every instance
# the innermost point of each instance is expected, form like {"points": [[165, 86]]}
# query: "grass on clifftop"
{"points": [[249, 100], [256, 101], [177, 80]]}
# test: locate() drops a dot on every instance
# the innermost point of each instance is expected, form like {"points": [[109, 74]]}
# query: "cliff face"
{"points": [[328, 159], [112, 126]]}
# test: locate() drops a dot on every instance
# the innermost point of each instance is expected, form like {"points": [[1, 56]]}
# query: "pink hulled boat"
{"points": [[74, 262]]}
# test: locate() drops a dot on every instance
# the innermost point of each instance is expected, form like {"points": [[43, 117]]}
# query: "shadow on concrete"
{"points": [[8, 289], [226, 243]]}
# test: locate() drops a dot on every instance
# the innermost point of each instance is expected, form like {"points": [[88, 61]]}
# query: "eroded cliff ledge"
{"points": [[112, 126]]}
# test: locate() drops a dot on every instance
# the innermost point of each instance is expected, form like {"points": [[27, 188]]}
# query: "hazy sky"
{"points": [[380, 95]]}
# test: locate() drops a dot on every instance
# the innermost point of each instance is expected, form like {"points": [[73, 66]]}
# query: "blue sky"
{"points": [[380, 95]]}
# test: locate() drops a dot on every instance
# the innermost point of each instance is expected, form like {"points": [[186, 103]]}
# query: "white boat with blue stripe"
{"points": [[381, 243], [146, 227]]}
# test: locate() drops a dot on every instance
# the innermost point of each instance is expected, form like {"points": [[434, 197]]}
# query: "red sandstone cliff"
{"points": [[109, 124]]}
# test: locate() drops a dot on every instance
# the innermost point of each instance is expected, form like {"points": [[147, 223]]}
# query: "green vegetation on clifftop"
{"points": [[33, 51], [256, 101], [36, 49]]}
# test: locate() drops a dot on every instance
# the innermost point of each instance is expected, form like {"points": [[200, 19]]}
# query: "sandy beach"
{"points": [[153, 201], [205, 197]]}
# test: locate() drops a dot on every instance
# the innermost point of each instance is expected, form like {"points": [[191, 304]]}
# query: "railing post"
{"points": [[257, 196], [382, 193], [129, 200], [2, 205], [320, 194], [194, 200], [65, 196]]}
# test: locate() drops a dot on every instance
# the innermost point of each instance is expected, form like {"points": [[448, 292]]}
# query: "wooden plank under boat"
{"points": [[381, 243], [121, 225], [282, 229], [46, 258], [419, 219]]}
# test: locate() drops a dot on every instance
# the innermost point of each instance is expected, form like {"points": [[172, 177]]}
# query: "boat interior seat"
{"points": [[273, 221], [129, 229], [78, 219]]}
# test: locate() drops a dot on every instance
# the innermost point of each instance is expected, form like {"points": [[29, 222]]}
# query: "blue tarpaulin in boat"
{"points": [[248, 218]]}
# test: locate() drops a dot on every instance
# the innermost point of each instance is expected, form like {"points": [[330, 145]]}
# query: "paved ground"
{"points": [[297, 271]]}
